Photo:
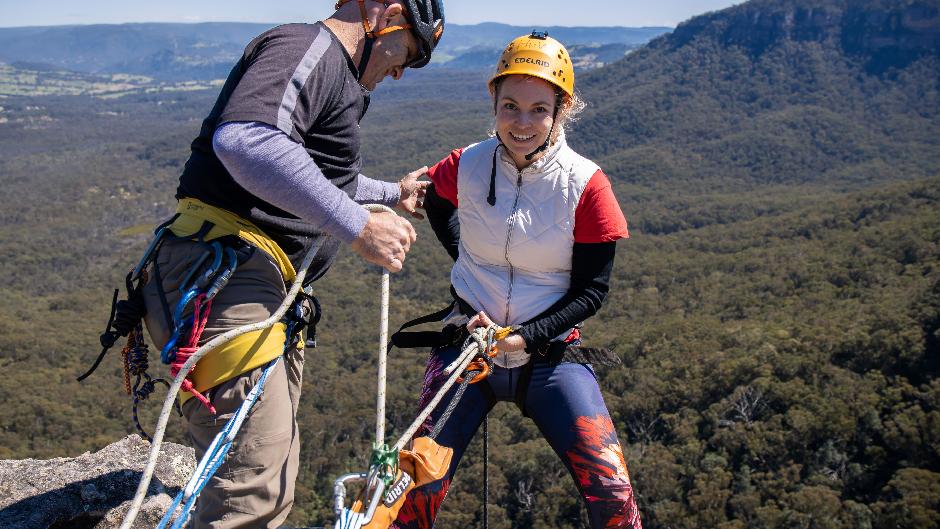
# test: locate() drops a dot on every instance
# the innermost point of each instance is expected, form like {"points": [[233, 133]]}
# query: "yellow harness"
{"points": [[249, 350]]}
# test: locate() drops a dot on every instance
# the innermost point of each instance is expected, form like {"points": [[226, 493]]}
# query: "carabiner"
{"points": [[478, 364], [187, 281], [151, 249], [222, 279], [203, 281], [166, 354]]}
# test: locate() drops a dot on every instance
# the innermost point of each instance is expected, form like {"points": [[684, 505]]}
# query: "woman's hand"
{"points": [[412, 192], [512, 342]]}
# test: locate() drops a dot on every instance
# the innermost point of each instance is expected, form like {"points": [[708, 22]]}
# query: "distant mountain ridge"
{"points": [[774, 91], [176, 52], [888, 34]]}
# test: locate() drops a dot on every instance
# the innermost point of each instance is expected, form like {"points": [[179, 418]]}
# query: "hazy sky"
{"points": [[515, 12]]}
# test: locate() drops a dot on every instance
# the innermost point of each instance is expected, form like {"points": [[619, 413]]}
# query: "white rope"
{"points": [[383, 345], [457, 368], [383, 364], [348, 519]]}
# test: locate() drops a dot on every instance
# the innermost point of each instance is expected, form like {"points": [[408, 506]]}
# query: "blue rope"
{"points": [[215, 455]]}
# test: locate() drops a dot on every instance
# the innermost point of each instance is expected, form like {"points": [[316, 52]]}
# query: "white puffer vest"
{"points": [[515, 256]]}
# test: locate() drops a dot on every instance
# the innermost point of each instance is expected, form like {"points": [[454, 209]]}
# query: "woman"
{"points": [[533, 227]]}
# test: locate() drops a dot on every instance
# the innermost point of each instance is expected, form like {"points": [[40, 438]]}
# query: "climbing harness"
{"points": [[199, 287], [125, 320], [221, 444], [185, 358], [554, 352]]}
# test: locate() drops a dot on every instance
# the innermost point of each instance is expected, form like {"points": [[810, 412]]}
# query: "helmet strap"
{"points": [[366, 54], [491, 197], [371, 34]]}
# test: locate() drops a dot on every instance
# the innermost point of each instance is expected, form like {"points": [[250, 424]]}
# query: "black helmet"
{"points": [[427, 25]]}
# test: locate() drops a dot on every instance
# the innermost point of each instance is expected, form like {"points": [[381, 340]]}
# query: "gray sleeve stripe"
{"points": [[299, 79]]}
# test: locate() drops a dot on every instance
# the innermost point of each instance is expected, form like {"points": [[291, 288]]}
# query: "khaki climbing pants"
{"points": [[254, 488]]}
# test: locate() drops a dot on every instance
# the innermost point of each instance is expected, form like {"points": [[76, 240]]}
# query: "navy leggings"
{"points": [[566, 404]]}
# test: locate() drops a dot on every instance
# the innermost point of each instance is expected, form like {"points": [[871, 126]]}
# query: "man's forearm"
{"points": [[271, 166], [371, 191]]}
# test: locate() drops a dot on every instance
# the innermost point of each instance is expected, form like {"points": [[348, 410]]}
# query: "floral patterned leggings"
{"points": [[566, 404]]}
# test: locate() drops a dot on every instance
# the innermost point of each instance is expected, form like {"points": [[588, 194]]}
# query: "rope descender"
{"points": [[483, 364]]}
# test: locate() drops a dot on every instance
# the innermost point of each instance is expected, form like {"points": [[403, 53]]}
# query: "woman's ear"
{"points": [[566, 104]]}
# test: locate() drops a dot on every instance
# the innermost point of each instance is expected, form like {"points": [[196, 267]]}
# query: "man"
{"points": [[275, 169]]}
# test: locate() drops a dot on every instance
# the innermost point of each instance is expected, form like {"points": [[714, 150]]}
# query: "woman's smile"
{"points": [[524, 114]]}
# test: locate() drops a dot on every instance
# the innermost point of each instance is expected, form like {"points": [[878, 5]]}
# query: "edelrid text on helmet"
{"points": [[540, 56]]}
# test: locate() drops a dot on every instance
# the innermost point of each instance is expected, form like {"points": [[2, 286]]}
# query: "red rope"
{"points": [[200, 317]]}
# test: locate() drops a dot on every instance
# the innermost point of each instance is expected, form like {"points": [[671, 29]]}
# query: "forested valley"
{"points": [[777, 307]]}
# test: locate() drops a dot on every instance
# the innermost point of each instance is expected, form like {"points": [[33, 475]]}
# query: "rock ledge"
{"points": [[93, 490]]}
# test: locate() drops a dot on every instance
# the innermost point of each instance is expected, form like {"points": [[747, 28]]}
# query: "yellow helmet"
{"points": [[540, 56]]}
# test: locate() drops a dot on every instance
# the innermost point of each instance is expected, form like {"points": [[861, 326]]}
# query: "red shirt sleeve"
{"points": [[444, 176], [598, 217]]}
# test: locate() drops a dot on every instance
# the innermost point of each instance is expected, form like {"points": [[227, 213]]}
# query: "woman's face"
{"points": [[524, 107]]}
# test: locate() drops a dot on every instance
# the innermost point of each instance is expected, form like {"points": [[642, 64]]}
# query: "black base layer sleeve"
{"points": [[443, 218], [591, 266]]}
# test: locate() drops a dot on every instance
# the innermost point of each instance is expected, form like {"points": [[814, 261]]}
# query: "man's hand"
{"points": [[385, 240], [412, 192]]}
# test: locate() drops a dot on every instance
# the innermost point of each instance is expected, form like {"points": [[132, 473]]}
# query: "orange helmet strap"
{"points": [[371, 34]]}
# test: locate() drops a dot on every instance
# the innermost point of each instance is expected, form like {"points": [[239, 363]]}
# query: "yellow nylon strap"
{"points": [[503, 332], [239, 355], [194, 212]]}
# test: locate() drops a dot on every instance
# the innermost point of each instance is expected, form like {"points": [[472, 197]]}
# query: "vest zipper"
{"points": [[512, 222]]}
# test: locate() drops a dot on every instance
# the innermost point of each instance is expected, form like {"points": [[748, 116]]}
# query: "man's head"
{"points": [[396, 34], [427, 24]]}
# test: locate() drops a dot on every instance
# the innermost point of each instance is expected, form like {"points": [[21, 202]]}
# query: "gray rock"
{"points": [[93, 490]]}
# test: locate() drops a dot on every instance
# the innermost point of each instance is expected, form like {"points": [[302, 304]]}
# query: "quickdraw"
{"points": [[200, 292]]}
